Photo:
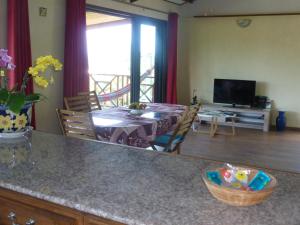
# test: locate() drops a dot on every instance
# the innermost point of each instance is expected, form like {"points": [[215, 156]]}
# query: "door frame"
{"points": [[160, 51]]}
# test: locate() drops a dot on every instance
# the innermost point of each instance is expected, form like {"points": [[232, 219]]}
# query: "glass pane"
{"points": [[109, 52], [148, 33]]}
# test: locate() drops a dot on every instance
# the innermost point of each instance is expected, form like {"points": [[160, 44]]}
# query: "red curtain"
{"points": [[172, 58], [18, 42], [76, 77]]}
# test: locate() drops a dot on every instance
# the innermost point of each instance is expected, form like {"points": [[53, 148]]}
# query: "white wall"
{"points": [[233, 7], [3, 16], [47, 37], [153, 4], [183, 72], [268, 51]]}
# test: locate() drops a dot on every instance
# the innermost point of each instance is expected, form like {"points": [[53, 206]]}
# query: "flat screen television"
{"points": [[235, 92]]}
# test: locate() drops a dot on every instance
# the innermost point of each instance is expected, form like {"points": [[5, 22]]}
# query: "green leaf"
{"points": [[3, 96], [15, 102], [32, 98]]}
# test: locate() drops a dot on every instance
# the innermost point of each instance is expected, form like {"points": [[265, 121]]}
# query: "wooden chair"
{"points": [[172, 142], [83, 102], [78, 103], [93, 101], [76, 124]]}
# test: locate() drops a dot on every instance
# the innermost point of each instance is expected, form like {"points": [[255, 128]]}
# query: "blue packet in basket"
{"points": [[214, 176], [260, 180]]}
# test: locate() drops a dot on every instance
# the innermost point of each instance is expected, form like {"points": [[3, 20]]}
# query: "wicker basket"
{"points": [[240, 197]]}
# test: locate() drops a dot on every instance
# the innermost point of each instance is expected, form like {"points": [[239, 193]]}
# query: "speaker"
{"points": [[260, 102]]}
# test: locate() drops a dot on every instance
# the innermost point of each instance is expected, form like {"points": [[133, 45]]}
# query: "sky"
{"points": [[109, 49]]}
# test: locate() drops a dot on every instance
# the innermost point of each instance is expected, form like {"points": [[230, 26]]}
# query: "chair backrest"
{"points": [[182, 128], [78, 103], [92, 98], [76, 124]]}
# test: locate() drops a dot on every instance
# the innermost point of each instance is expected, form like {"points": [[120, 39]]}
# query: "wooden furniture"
{"points": [[83, 102], [92, 98], [172, 142], [16, 208], [253, 118], [76, 124], [78, 103], [214, 118]]}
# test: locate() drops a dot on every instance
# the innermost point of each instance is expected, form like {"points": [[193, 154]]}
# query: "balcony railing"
{"points": [[114, 90]]}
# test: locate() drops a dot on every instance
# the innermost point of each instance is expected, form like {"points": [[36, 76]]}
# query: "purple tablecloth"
{"points": [[117, 125]]}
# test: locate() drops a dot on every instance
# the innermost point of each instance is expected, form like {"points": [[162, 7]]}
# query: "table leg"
{"points": [[233, 126], [211, 127], [214, 126]]}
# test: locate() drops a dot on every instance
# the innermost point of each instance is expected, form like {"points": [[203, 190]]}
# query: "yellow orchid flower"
{"points": [[41, 81], [43, 63], [32, 71], [57, 65]]}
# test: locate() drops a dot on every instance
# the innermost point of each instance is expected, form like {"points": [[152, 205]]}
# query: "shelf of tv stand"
{"points": [[253, 118]]}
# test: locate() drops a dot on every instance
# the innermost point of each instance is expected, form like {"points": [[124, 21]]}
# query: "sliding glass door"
{"points": [[126, 58], [148, 60], [147, 63], [109, 55]]}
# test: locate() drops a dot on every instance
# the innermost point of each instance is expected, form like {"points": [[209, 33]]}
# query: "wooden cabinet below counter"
{"points": [[20, 209], [92, 220], [14, 212]]}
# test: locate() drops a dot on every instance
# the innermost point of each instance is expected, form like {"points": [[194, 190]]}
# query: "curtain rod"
{"points": [[140, 6], [249, 15]]}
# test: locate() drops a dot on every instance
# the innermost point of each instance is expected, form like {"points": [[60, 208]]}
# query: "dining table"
{"points": [[119, 125]]}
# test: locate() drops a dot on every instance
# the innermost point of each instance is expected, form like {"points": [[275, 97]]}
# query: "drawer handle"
{"points": [[12, 217], [30, 222]]}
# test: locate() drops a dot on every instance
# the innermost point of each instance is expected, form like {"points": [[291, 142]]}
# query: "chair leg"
{"points": [[174, 152], [153, 147], [195, 127], [178, 150]]}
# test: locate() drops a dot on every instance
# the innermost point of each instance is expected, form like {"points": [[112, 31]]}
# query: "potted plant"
{"points": [[15, 104], [137, 108]]}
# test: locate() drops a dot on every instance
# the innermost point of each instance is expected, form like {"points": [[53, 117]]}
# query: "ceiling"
{"points": [[220, 7], [191, 8], [233, 7], [179, 2], [98, 18]]}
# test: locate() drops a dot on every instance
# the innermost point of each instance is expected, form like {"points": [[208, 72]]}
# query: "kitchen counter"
{"points": [[131, 185]]}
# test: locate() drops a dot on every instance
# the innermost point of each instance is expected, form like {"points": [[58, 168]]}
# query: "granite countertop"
{"points": [[133, 186]]}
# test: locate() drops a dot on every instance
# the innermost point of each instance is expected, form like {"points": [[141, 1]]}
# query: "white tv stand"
{"points": [[254, 118]]}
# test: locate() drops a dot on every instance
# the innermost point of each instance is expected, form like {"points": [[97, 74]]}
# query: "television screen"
{"points": [[236, 92]]}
